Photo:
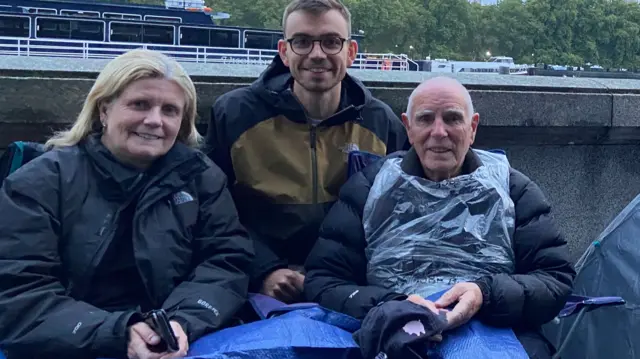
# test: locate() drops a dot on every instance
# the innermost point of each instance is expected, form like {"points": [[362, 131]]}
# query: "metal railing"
{"points": [[13, 46]]}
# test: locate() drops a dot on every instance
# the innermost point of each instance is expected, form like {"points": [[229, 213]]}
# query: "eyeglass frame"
{"points": [[313, 44]]}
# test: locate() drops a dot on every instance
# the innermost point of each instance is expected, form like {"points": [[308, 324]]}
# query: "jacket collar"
{"points": [[274, 85], [173, 167], [411, 163]]}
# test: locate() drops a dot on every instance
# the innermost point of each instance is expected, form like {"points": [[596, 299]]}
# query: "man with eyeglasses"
{"points": [[284, 140]]}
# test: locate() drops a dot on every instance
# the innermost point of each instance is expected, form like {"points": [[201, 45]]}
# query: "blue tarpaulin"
{"points": [[309, 331]]}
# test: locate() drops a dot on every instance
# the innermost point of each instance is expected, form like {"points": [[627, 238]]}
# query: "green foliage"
{"points": [[565, 32]]}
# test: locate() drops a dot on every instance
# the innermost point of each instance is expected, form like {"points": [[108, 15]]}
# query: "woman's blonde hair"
{"points": [[116, 76]]}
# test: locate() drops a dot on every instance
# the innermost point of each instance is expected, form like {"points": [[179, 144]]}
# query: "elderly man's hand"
{"points": [[469, 301]]}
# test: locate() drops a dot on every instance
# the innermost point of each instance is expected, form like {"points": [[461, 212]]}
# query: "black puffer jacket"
{"points": [[532, 296], [74, 216]]}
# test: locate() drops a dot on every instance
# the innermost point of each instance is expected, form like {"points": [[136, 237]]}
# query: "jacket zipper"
{"points": [[314, 162], [109, 228], [314, 155]]}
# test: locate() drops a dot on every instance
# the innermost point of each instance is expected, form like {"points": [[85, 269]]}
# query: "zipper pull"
{"points": [[312, 137], [105, 224]]}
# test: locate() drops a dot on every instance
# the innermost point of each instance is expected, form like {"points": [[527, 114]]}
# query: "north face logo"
{"points": [[182, 197]]}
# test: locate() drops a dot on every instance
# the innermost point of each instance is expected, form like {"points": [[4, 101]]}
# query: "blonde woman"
{"points": [[121, 216]]}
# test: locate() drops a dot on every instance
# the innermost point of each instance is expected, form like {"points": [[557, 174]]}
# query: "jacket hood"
{"points": [[274, 86]]}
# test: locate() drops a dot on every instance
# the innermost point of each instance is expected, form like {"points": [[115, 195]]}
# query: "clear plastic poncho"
{"points": [[423, 236]]}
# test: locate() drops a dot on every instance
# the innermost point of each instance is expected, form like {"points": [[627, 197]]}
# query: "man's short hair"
{"points": [[465, 93], [316, 7]]}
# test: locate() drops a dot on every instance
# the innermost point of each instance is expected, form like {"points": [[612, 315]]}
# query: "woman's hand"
{"points": [[141, 337], [183, 341]]}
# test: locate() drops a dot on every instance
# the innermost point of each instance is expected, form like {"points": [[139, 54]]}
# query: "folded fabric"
{"points": [[400, 329]]}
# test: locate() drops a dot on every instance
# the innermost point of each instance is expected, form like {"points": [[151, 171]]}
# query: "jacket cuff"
{"points": [[486, 292], [113, 336], [392, 297], [261, 272], [395, 296]]}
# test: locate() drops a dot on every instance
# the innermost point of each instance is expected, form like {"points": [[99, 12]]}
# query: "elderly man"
{"points": [[444, 218]]}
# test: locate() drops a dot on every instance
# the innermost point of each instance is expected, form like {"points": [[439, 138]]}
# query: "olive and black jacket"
{"points": [[285, 172]]}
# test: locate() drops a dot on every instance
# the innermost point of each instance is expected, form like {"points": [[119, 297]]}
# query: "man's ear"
{"points": [[475, 120], [405, 121], [352, 52], [282, 51], [407, 126]]}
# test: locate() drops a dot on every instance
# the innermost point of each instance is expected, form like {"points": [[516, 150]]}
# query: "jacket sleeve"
{"points": [[217, 288], [216, 143], [544, 276], [36, 312], [265, 262], [336, 267], [219, 150]]}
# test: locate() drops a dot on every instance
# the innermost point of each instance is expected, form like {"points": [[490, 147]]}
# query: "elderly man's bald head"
{"points": [[437, 84], [441, 126]]}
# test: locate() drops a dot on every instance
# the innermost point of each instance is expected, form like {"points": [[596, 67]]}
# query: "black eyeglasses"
{"points": [[303, 45]]}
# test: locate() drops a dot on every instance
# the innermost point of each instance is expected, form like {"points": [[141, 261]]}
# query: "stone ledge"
{"points": [[55, 100], [513, 109], [626, 110]]}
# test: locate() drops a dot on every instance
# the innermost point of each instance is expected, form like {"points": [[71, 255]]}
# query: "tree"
{"points": [[565, 32], [391, 25]]}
